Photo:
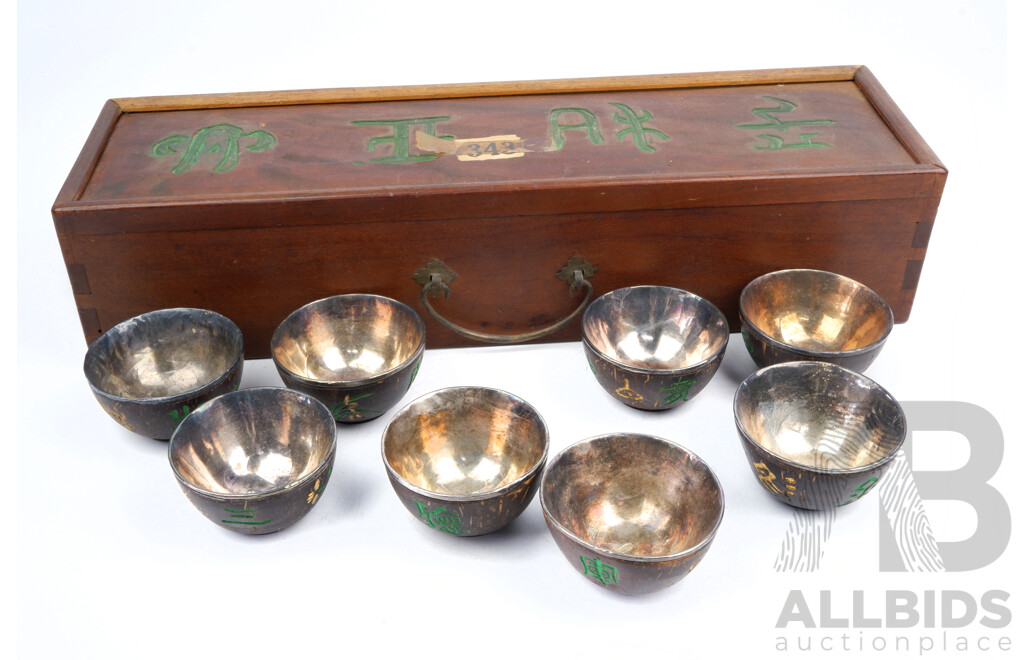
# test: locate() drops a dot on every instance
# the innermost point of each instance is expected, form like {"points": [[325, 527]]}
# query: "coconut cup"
{"points": [[465, 460], [358, 354], [151, 371], [817, 435], [632, 513], [794, 315], [654, 347], [257, 460]]}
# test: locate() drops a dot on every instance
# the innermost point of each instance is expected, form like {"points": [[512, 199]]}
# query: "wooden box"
{"points": [[255, 204]]}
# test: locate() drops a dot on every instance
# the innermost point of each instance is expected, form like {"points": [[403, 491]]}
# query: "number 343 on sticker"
{"points": [[494, 147], [490, 148]]}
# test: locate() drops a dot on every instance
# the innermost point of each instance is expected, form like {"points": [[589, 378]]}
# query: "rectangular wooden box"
{"points": [[255, 204]]}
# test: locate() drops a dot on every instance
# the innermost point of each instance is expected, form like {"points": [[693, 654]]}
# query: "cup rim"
{"points": [[334, 384], [292, 485], [471, 497], [704, 542], [824, 471], [656, 370], [799, 350], [228, 323]]}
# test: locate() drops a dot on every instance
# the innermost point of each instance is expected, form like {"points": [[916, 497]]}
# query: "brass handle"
{"points": [[435, 276]]}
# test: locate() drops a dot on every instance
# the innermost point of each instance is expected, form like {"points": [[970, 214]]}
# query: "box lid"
{"points": [[457, 151], [254, 204]]}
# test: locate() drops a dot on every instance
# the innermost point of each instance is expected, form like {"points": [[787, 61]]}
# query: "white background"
{"points": [[111, 561]]}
